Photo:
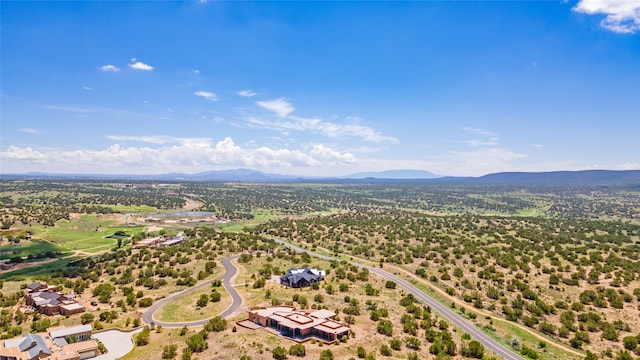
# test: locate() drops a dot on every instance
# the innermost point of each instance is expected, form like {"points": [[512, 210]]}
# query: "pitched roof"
{"points": [[31, 344], [308, 274], [34, 286]]}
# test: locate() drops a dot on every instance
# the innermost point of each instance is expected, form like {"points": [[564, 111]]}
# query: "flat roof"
{"points": [[68, 331], [325, 328], [72, 306]]}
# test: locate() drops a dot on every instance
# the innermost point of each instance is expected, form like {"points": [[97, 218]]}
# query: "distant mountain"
{"points": [[584, 177], [394, 174], [230, 175]]}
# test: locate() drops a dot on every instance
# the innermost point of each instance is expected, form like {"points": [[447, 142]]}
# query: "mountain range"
{"points": [[583, 177]]}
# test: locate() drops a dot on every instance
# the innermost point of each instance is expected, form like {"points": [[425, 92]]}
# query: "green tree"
{"points": [[143, 337], [474, 350], [203, 300], [216, 324], [279, 353], [197, 343], [145, 302], [326, 355], [169, 351], [297, 350]]}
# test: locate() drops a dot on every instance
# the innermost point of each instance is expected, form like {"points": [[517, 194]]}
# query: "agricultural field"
{"points": [[550, 271]]}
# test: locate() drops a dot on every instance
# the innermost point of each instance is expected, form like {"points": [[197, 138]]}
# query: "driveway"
{"points": [[118, 343], [226, 282]]}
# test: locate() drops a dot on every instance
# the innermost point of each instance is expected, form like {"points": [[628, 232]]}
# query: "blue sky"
{"points": [[319, 88]]}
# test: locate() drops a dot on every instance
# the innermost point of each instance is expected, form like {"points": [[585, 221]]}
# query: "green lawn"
{"points": [[26, 248], [88, 233], [131, 208]]}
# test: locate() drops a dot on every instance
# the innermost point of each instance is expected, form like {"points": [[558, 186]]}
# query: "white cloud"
{"points": [[169, 154], [489, 138], [29, 130], [159, 139], [138, 65], [621, 16], [246, 93], [627, 166], [87, 88], [488, 142], [538, 146], [280, 106], [26, 153], [109, 68], [196, 71], [480, 131], [473, 163], [326, 128], [207, 95]]}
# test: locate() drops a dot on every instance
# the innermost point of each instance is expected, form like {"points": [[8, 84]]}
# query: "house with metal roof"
{"points": [[302, 277]]}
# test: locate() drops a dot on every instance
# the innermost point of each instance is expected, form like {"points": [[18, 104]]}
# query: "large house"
{"points": [[48, 301], [60, 343], [162, 240], [300, 325], [302, 277]]}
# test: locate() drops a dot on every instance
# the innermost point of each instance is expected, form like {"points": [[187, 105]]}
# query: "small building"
{"points": [[27, 347], [302, 277], [48, 301], [53, 345], [40, 287], [78, 333], [300, 325]]}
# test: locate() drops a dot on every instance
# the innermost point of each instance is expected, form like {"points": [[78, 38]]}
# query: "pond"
{"points": [[186, 214]]}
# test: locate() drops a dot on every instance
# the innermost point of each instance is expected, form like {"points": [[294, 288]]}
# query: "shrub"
{"points": [[169, 351], [196, 343], [326, 355], [143, 337], [297, 350], [385, 350], [279, 353], [145, 302]]}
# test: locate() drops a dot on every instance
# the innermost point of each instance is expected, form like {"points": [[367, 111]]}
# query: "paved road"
{"points": [[226, 282], [454, 318]]}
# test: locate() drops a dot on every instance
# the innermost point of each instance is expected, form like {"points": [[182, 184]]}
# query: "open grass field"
{"points": [[26, 247], [184, 308], [132, 208], [87, 233]]}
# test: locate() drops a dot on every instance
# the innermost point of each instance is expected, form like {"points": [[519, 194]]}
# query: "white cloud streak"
{"points": [[29, 131], [489, 138], [172, 154], [246, 93], [109, 68], [206, 95], [326, 128], [621, 16], [280, 107], [138, 65]]}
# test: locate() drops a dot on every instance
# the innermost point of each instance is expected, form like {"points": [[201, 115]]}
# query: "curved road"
{"points": [[454, 318], [226, 282]]}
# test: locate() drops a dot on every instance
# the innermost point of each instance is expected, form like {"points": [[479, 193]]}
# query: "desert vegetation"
{"points": [[551, 271]]}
